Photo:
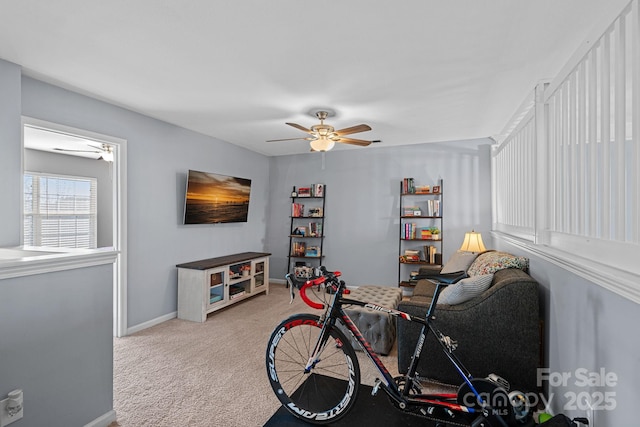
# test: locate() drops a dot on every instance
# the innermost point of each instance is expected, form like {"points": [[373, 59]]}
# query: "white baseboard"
{"points": [[104, 420], [139, 327]]}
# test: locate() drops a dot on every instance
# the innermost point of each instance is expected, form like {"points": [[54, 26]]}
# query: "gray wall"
{"points": [[362, 202], [11, 154], [45, 162], [587, 328], [56, 345], [158, 155], [158, 158]]}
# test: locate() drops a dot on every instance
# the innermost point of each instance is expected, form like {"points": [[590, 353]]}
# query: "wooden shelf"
{"points": [[420, 263], [406, 284], [311, 209], [428, 210]]}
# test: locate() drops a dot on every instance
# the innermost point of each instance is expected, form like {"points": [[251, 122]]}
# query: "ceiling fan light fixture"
{"points": [[322, 144]]}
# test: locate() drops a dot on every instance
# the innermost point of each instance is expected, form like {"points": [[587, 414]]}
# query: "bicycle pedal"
{"points": [[376, 387], [480, 422]]}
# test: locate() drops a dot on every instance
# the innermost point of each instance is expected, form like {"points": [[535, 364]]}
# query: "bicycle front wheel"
{"points": [[325, 393]]}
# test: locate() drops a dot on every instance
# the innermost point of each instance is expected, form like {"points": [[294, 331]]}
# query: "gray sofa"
{"points": [[497, 332]]}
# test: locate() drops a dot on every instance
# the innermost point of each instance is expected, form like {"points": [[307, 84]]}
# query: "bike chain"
{"points": [[417, 410], [441, 419]]}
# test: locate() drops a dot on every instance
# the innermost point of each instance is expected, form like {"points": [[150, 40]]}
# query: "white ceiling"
{"points": [[415, 70]]}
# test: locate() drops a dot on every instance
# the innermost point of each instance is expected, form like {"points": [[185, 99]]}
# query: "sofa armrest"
{"points": [[497, 332]]}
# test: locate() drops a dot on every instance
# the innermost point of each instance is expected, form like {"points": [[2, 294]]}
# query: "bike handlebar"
{"points": [[327, 276]]}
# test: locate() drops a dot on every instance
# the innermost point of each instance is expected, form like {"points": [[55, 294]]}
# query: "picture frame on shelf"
{"points": [[318, 190], [436, 189]]}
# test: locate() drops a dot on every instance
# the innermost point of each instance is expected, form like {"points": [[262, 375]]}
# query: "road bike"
{"points": [[314, 371]]}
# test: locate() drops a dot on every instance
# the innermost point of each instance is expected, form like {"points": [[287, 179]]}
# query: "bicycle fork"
{"points": [[321, 343]]}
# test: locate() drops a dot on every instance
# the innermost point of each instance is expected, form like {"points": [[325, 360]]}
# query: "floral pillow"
{"points": [[490, 262]]}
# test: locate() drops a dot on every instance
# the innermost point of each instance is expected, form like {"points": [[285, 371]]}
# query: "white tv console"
{"points": [[211, 284]]}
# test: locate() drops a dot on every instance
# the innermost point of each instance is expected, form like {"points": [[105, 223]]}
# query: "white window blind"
{"points": [[60, 211]]}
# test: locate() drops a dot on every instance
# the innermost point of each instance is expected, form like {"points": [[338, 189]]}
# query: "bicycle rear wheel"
{"points": [[329, 390]]}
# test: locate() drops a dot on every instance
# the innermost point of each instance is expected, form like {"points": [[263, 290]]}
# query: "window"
{"points": [[60, 211]]}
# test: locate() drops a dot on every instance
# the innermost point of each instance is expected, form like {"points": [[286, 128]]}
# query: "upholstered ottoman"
{"points": [[377, 327]]}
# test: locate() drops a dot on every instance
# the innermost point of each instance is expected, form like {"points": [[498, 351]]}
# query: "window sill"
{"points": [[35, 260], [620, 280]]}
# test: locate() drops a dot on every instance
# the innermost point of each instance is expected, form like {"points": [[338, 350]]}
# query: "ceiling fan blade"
{"points": [[352, 141], [353, 129], [297, 126], [290, 139]]}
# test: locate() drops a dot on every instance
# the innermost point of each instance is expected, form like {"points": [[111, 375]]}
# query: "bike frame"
{"points": [[335, 311]]}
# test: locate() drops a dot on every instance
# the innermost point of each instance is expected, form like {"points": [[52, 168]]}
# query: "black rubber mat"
{"points": [[367, 411]]}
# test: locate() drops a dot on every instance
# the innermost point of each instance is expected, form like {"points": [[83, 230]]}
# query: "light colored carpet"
{"points": [[181, 373]]}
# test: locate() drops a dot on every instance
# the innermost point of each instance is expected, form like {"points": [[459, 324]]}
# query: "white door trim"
{"points": [[119, 211]]}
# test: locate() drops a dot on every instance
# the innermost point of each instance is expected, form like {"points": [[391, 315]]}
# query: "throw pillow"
{"points": [[490, 262], [460, 261], [465, 289]]}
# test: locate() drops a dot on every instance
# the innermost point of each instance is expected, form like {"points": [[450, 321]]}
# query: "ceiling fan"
{"points": [[105, 151], [323, 137]]}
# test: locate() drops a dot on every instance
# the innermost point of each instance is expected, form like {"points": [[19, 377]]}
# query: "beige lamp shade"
{"points": [[472, 242]]}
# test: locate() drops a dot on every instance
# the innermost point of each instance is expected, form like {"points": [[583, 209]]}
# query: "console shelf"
{"points": [[211, 284]]}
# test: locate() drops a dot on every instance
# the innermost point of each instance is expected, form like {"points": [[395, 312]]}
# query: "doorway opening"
{"points": [[56, 150]]}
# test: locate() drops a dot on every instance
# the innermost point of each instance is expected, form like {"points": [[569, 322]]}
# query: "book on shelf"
{"points": [[304, 192], [430, 254], [299, 248], [410, 258], [315, 211], [424, 233], [297, 210], [237, 295], [312, 251], [408, 186], [235, 289], [315, 229], [433, 208], [410, 230], [411, 211]]}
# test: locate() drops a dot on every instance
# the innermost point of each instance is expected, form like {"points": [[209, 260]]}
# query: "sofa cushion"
{"points": [[465, 289], [460, 261], [490, 262]]}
